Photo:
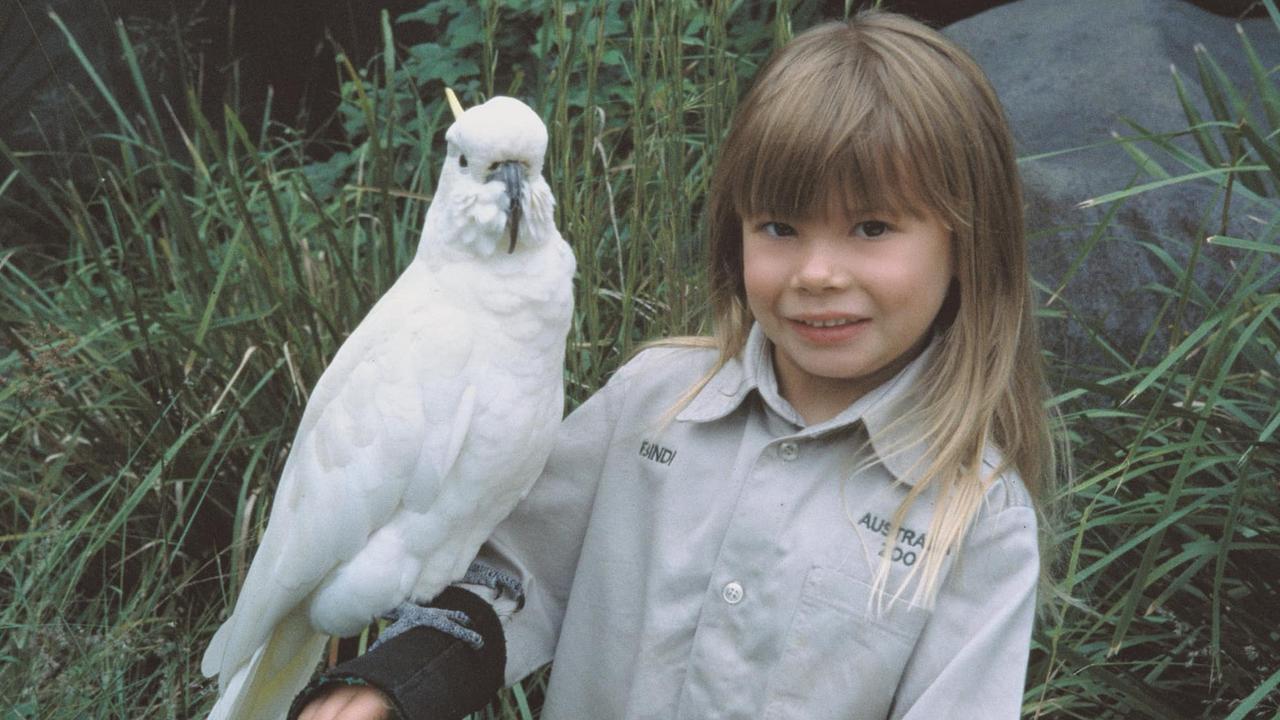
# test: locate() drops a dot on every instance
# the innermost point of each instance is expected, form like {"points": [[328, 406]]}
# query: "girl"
{"points": [[829, 509]]}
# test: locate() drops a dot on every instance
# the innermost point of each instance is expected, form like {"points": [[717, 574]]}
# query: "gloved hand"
{"points": [[426, 673]]}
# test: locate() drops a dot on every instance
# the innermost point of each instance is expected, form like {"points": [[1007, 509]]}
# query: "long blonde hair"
{"points": [[897, 117]]}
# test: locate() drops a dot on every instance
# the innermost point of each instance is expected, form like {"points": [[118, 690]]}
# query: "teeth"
{"points": [[825, 323]]}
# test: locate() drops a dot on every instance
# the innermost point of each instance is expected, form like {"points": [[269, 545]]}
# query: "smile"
{"points": [[829, 330], [828, 323]]}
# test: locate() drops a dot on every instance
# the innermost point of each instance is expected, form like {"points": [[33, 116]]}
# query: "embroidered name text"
{"points": [[656, 453]]}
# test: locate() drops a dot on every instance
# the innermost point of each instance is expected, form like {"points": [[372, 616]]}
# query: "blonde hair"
{"points": [[895, 116]]}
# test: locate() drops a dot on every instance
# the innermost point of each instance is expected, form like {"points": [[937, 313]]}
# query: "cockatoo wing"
{"points": [[393, 406]]}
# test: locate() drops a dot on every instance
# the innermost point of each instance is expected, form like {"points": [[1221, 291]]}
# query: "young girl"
{"points": [[829, 509]]}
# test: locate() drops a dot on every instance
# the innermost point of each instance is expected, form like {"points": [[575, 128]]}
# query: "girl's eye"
{"points": [[777, 229], [871, 228]]}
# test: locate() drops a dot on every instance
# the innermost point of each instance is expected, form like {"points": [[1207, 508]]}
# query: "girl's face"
{"points": [[846, 301]]}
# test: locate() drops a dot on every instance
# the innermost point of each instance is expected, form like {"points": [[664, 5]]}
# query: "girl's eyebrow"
{"points": [[911, 211], [864, 212]]}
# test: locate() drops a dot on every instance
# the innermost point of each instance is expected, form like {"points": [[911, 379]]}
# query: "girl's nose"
{"points": [[820, 268]]}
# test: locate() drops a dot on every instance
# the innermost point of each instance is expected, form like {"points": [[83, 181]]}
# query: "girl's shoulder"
{"points": [[1005, 489], [669, 361], [661, 378]]}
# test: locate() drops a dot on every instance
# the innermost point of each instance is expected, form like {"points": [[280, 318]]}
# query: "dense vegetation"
{"points": [[163, 320]]}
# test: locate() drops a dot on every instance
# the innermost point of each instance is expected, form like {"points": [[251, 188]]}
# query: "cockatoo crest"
{"points": [[494, 162]]}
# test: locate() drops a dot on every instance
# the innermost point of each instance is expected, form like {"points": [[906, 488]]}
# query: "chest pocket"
{"points": [[841, 659]]}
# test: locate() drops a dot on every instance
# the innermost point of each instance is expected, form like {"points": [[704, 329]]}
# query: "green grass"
{"points": [[166, 304]]}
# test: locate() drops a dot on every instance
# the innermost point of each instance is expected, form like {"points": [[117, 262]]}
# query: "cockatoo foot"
{"points": [[453, 623], [481, 573]]}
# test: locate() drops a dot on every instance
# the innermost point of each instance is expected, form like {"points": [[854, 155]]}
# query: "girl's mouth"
{"points": [[828, 330], [829, 323]]}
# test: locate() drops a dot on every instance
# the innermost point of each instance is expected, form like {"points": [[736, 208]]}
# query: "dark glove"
{"points": [[427, 674]]}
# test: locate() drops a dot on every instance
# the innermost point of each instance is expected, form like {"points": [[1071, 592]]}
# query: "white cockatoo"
{"points": [[431, 423]]}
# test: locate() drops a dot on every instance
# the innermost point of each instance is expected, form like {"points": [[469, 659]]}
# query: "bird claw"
{"points": [[481, 573], [453, 623]]}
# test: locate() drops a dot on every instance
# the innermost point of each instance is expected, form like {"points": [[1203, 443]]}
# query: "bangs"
{"points": [[801, 177], [831, 131]]}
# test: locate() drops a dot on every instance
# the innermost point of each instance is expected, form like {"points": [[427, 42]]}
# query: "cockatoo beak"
{"points": [[511, 173]]}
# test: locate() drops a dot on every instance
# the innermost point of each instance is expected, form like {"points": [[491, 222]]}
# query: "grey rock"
{"points": [[1067, 73], [37, 67]]}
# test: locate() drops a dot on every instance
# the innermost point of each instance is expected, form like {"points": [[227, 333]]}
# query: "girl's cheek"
{"points": [[757, 263]]}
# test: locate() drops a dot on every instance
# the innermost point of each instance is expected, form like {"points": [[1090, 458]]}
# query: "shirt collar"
{"points": [[752, 369]]}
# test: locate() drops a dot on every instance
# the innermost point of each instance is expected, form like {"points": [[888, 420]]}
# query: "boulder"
{"points": [[37, 65], [1068, 73]]}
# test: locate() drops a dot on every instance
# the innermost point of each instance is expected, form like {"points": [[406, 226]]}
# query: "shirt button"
{"points": [[788, 451], [732, 593]]}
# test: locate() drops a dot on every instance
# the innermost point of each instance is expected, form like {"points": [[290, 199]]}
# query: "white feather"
{"points": [[431, 422]]}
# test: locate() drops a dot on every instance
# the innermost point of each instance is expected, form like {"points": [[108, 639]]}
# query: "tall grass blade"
{"points": [[1199, 130], [1213, 173], [1243, 244]]}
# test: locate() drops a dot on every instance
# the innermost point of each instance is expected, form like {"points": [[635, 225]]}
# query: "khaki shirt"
{"points": [[720, 566]]}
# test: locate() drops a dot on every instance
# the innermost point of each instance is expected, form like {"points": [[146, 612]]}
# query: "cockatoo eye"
{"points": [[462, 160]]}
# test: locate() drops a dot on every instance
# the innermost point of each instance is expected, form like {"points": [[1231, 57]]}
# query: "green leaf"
{"points": [[1228, 106], [1262, 80], [89, 69], [1273, 12], [1199, 130], [433, 12], [1147, 187], [1264, 690], [435, 62], [1243, 244], [1267, 151]]}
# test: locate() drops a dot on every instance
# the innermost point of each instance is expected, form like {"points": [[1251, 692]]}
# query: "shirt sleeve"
{"points": [[541, 541], [971, 658]]}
